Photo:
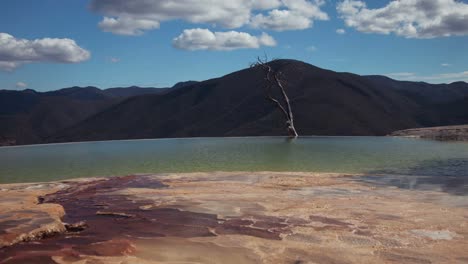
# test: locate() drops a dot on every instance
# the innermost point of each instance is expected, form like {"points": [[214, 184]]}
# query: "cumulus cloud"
{"points": [[21, 85], [435, 78], [127, 25], [340, 31], [299, 15], [15, 52], [204, 39], [408, 18], [9, 65], [137, 16]]}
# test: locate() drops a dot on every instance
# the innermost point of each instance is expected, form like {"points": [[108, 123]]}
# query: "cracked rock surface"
{"points": [[230, 217]]}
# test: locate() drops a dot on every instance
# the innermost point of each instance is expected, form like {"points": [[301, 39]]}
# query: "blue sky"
{"points": [[114, 43]]}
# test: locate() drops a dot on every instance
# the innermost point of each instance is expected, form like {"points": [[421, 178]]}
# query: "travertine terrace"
{"points": [[230, 217]]}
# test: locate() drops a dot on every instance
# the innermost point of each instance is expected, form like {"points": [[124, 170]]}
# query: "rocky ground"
{"points": [[446, 133], [236, 217], [7, 141]]}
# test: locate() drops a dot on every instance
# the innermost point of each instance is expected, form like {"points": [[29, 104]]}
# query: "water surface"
{"points": [[371, 155]]}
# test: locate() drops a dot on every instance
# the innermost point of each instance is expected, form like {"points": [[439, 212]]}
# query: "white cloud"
{"points": [[21, 85], [445, 64], [137, 16], [266, 4], [435, 78], [127, 25], [9, 65], [408, 18], [204, 39], [299, 15], [15, 52], [340, 31], [281, 20]]}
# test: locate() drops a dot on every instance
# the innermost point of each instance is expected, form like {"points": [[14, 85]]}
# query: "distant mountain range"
{"points": [[28, 117], [324, 103]]}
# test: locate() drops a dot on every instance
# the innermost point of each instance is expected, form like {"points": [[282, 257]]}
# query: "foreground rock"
{"points": [[448, 133], [22, 218], [235, 217]]}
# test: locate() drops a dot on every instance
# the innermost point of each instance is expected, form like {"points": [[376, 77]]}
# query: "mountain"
{"points": [[324, 103], [183, 84], [27, 116], [439, 104], [133, 91], [422, 92]]}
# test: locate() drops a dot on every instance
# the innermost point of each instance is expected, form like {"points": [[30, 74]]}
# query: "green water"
{"points": [[318, 154]]}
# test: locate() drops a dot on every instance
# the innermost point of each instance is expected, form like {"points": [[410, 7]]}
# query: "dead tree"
{"points": [[273, 79]]}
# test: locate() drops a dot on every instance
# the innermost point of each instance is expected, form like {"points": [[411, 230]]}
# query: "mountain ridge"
{"points": [[29, 116], [324, 102]]}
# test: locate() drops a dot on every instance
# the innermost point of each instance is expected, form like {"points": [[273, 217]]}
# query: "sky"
{"points": [[52, 44]]}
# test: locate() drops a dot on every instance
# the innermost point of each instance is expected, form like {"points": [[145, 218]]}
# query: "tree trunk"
{"points": [[273, 79]]}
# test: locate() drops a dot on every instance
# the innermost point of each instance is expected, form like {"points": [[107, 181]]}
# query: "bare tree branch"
{"points": [[273, 79], [291, 128], [269, 95]]}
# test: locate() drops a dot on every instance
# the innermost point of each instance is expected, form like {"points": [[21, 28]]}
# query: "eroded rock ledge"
{"points": [[23, 219], [443, 133], [236, 217]]}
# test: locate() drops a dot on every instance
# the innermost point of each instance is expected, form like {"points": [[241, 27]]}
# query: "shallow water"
{"points": [[373, 155]]}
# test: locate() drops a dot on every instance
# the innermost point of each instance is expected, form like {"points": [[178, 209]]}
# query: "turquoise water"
{"points": [[318, 154]]}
